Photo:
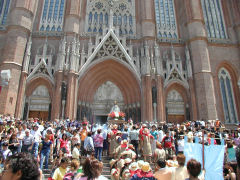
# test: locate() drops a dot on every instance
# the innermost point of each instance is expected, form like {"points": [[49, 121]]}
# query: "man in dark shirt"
{"points": [[167, 144]]}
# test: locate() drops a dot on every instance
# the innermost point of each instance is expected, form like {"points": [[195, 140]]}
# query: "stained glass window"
{"points": [[227, 96], [165, 19], [98, 16], [4, 9], [52, 15], [214, 21]]}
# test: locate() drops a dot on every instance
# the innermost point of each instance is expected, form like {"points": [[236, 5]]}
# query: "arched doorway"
{"points": [[39, 103], [175, 107], [115, 80]]}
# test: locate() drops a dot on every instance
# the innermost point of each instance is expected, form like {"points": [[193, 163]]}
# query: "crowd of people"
{"points": [[135, 151]]}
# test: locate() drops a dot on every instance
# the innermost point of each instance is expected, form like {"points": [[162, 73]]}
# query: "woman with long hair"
{"points": [[13, 143], [92, 169], [63, 144]]}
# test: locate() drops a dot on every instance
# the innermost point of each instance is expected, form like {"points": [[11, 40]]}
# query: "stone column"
{"points": [[154, 112], [234, 5], [22, 84], [20, 97], [56, 107], [20, 24], [75, 99], [193, 107], [160, 100], [72, 26], [148, 18], [201, 62], [147, 99], [72, 17], [63, 109], [70, 105]]}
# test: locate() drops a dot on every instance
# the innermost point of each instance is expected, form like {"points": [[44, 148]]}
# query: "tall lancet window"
{"points": [[98, 16], [227, 96], [166, 19], [214, 20], [4, 9], [52, 15]]}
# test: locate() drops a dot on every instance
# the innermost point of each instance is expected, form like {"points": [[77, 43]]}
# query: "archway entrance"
{"points": [[175, 107], [104, 82], [39, 103]]}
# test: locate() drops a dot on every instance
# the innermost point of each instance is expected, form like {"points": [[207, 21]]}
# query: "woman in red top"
{"points": [[63, 143]]}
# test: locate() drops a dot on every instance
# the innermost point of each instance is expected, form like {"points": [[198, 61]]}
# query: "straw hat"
{"points": [[130, 146], [146, 167], [115, 126], [140, 163], [120, 163], [134, 166], [127, 161], [112, 162]]}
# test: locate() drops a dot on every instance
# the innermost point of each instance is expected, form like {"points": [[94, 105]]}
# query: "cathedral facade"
{"points": [[161, 60]]}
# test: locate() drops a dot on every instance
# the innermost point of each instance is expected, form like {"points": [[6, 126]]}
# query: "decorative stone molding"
{"points": [[42, 66], [174, 70]]}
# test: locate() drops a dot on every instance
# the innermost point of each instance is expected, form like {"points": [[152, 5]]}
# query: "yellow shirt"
{"points": [[59, 173]]}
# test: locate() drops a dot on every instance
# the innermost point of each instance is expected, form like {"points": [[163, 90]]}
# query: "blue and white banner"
{"points": [[213, 158], [193, 151]]}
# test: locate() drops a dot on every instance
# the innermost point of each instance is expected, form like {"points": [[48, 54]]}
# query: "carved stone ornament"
{"points": [[111, 48]]}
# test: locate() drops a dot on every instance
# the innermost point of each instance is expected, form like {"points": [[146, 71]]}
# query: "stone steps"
{"points": [[105, 172]]}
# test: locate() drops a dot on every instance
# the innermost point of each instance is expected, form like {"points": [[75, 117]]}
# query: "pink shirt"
{"points": [[98, 140]]}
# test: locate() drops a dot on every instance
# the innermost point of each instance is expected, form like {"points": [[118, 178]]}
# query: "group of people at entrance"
{"points": [[134, 151]]}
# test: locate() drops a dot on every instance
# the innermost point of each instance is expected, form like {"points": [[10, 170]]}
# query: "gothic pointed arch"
{"points": [[109, 70], [110, 47], [39, 81], [177, 103]]}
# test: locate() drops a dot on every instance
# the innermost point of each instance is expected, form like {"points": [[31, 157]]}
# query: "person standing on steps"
{"points": [[98, 144]]}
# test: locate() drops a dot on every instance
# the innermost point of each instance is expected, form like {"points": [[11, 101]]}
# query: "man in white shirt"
{"points": [[27, 142], [134, 137], [160, 134], [75, 152], [37, 139]]}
